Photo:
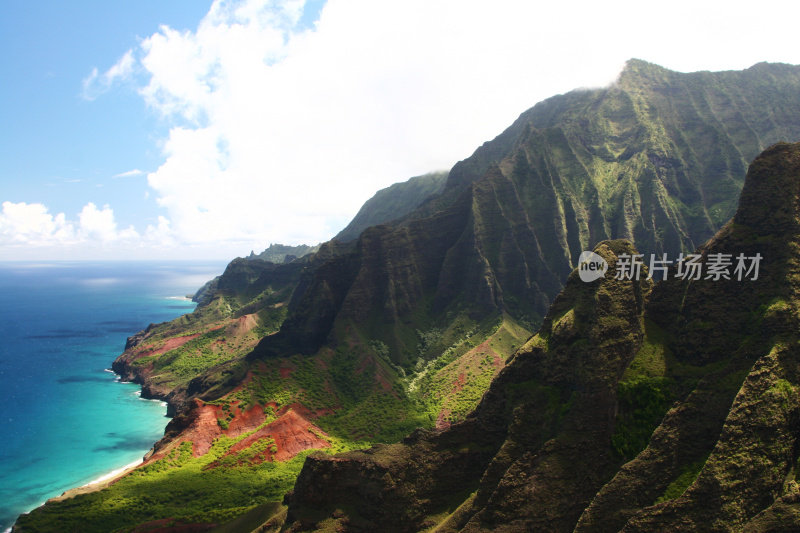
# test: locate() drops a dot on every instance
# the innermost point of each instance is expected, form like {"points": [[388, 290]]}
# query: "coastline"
{"points": [[114, 473], [107, 479], [97, 484], [94, 485], [70, 343], [111, 477]]}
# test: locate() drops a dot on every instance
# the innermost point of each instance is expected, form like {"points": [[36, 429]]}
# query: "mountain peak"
{"points": [[770, 199], [635, 64], [636, 69]]}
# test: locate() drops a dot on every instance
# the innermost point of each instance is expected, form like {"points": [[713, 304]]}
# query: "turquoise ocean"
{"points": [[65, 418]]}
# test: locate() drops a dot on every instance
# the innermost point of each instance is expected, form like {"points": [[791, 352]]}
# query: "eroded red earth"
{"points": [[293, 431], [170, 344]]}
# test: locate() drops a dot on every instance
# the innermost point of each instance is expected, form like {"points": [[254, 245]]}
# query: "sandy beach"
{"points": [[99, 483]]}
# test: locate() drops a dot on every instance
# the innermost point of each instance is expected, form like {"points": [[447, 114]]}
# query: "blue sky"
{"points": [[57, 147], [196, 129]]}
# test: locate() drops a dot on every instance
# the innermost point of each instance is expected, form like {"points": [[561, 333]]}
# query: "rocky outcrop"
{"points": [[281, 253], [739, 424], [671, 409]]}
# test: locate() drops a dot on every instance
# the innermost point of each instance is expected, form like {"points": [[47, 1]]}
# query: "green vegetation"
{"points": [[651, 360], [270, 320], [642, 404], [179, 487], [360, 409], [215, 343], [193, 358], [644, 394], [683, 481], [452, 383], [261, 450], [379, 417], [551, 403]]}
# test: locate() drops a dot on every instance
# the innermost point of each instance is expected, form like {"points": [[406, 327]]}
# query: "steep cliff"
{"points": [[636, 407]]}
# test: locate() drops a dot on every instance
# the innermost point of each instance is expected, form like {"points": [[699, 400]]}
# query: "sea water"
{"points": [[65, 419]]}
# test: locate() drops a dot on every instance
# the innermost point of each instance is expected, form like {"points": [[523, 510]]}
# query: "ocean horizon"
{"points": [[67, 419]]}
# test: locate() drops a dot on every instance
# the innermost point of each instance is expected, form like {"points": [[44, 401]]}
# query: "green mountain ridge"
{"points": [[393, 202], [281, 253], [576, 169], [405, 327]]}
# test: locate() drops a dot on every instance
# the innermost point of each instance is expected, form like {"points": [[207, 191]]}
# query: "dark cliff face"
{"points": [[636, 407], [398, 279], [658, 158], [734, 435]]}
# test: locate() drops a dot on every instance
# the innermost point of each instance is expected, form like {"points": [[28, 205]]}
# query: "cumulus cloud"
{"points": [[279, 132], [98, 225], [32, 224], [282, 133], [25, 226], [96, 83]]}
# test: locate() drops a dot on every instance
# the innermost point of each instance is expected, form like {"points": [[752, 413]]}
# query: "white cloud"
{"points": [[26, 226], [98, 225], [281, 134], [96, 84], [160, 233], [129, 174], [32, 224]]}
